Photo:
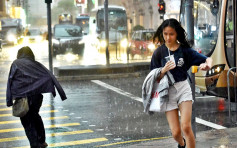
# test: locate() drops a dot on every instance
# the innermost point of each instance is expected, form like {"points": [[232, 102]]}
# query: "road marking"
{"points": [[70, 143], [2, 88], [41, 112], [2, 98], [2, 92], [10, 108], [132, 141], [44, 119], [198, 120], [117, 90], [205, 97], [2, 104], [48, 126], [48, 135], [210, 124]]}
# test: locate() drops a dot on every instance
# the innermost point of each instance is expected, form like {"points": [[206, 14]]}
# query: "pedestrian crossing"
{"points": [[60, 132]]}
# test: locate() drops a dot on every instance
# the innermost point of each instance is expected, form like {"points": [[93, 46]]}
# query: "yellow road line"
{"points": [[48, 126], [139, 140], [2, 92], [2, 103], [2, 98], [18, 121], [10, 108], [48, 135], [70, 143], [2, 88], [41, 112]]}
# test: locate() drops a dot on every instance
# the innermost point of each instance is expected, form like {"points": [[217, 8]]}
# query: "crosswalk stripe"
{"points": [[41, 112], [70, 143], [18, 121], [2, 92], [2, 98], [47, 126], [48, 135], [10, 108], [2, 88], [2, 103]]}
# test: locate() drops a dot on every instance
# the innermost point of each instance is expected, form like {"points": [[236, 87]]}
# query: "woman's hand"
{"points": [[168, 66], [206, 66]]}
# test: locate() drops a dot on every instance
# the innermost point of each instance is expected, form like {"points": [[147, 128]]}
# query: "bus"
{"points": [[215, 36], [82, 20], [117, 23]]}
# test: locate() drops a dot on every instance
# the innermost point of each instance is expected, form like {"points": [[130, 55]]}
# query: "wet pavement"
{"points": [[224, 138], [108, 113]]}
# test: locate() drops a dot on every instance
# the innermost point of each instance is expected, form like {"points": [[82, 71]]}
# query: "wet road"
{"points": [[99, 113]]}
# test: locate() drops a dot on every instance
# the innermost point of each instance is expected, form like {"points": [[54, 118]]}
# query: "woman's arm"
{"points": [[207, 65]]}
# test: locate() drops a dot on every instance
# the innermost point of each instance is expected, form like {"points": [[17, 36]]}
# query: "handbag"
{"points": [[20, 107], [155, 100]]}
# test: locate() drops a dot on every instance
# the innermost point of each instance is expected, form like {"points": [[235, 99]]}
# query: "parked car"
{"points": [[141, 43], [67, 38]]}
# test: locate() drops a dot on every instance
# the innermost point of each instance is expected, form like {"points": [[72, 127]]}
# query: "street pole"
{"points": [[49, 33], [190, 31], [106, 30]]}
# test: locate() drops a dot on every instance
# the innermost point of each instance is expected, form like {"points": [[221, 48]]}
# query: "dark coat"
{"points": [[28, 77]]}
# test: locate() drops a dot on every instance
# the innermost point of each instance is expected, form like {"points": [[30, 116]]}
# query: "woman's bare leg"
{"points": [[173, 120], [186, 114]]}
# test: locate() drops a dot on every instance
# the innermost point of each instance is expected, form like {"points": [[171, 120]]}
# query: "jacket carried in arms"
{"points": [[28, 77], [148, 86]]}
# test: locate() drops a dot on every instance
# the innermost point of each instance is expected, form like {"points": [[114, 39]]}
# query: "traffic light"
{"points": [[161, 7]]}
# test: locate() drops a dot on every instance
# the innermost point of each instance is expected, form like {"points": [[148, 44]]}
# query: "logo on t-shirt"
{"points": [[180, 62]]}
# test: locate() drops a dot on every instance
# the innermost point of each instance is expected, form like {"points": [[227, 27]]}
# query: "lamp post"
{"points": [[49, 34], [106, 30]]}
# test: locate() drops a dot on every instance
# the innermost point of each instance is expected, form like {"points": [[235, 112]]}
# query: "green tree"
{"points": [[64, 6]]}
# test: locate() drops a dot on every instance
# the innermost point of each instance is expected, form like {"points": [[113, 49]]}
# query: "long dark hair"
{"points": [[25, 52], [181, 34]]}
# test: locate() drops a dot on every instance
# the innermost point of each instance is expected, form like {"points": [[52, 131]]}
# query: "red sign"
{"points": [[80, 1]]}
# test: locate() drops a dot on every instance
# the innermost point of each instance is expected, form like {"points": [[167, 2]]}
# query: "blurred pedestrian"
{"points": [[29, 78], [175, 44]]}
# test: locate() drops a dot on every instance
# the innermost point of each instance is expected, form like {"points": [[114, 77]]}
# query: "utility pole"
{"points": [[49, 34], [106, 30], [190, 32]]}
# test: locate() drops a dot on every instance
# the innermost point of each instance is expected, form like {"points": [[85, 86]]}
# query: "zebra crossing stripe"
{"points": [[41, 112], [71, 143], [10, 108], [47, 135], [44, 119], [47, 126], [2, 98], [2, 92]]}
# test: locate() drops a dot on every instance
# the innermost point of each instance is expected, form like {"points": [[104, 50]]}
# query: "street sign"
{"points": [[79, 2]]}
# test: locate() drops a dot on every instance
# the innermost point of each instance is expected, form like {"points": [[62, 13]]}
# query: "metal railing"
{"points": [[234, 89]]}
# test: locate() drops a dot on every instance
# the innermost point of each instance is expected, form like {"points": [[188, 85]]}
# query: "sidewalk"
{"points": [[83, 72], [224, 138]]}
